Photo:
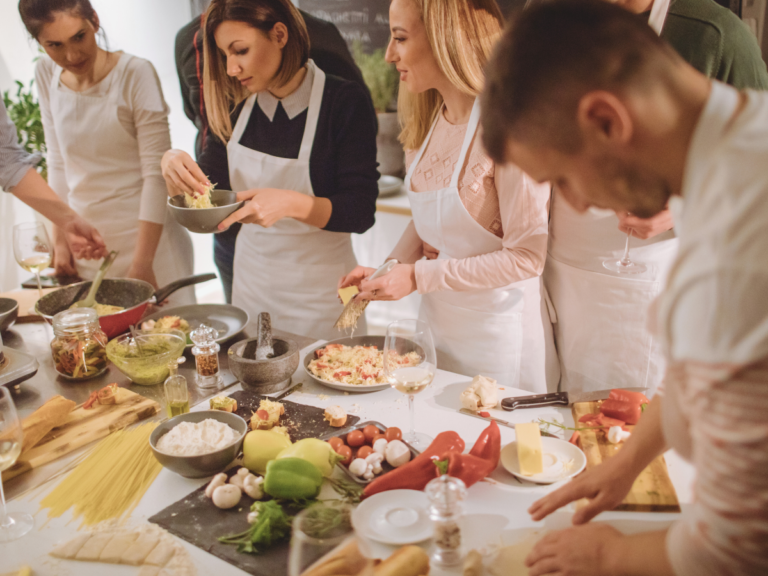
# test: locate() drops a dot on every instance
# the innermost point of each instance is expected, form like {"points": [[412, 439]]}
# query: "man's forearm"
{"points": [[34, 191]]}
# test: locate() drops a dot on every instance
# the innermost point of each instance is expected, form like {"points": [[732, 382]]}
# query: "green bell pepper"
{"points": [[292, 479]]}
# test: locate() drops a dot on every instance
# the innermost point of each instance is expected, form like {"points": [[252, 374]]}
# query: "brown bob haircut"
{"points": [[554, 53], [37, 13], [222, 92]]}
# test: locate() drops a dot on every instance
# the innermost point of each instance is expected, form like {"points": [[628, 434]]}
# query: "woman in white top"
{"points": [[482, 294], [106, 128]]}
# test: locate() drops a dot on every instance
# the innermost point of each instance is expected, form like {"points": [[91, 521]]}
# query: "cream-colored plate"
{"points": [[562, 460]]}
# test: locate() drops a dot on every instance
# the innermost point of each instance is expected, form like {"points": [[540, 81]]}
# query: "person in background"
{"points": [[300, 147], [583, 94], [600, 323], [482, 296], [19, 177], [328, 51], [106, 129]]}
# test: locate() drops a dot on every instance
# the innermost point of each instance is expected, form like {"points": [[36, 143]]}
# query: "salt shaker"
{"points": [[176, 392], [206, 352], [445, 495]]}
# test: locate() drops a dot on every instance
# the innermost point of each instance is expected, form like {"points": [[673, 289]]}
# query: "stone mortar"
{"points": [[265, 376]]}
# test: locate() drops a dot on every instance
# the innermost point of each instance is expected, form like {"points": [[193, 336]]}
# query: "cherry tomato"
{"points": [[336, 443], [364, 452], [345, 451], [262, 414], [355, 438], [373, 441], [369, 432], [393, 433]]}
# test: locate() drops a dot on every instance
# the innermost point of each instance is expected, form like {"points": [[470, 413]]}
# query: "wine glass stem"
{"points": [[626, 261], [412, 433], [4, 517], [39, 285]]}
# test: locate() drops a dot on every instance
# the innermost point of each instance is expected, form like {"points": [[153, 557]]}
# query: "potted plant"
{"points": [[382, 81], [24, 112]]}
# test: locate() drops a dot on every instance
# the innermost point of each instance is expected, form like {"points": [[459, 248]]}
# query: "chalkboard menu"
{"points": [[363, 20]]}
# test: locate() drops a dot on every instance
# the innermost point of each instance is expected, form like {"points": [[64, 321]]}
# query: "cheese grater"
{"points": [[355, 307]]}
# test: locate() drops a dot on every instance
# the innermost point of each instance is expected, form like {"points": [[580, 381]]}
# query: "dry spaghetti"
{"points": [[110, 482]]}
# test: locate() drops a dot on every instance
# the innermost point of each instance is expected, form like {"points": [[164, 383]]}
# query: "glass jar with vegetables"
{"points": [[206, 352], [79, 344]]}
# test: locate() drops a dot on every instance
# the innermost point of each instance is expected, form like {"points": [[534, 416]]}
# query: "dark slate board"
{"points": [[196, 520]]}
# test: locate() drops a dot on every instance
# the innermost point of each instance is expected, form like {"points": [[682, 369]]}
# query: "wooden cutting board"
{"points": [[83, 427], [652, 491]]}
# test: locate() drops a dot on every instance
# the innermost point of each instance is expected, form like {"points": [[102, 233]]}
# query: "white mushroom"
{"points": [[374, 459], [358, 467], [226, 496], [380, 446], [397, 453], [218, 480], [368, 472], [254, 486], [239, 478]]}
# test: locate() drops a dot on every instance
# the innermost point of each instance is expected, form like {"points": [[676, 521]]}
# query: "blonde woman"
{"points": [[483, 228], [299, 147]]}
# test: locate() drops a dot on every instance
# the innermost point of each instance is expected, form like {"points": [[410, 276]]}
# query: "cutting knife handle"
{"points": [[535, 401]]}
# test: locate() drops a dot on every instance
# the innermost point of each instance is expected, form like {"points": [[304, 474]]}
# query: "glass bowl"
{"points": [[145, 360]]}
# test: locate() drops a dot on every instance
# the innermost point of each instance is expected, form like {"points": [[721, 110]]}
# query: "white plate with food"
{"points": [[352, 364], [228, 320], [394, 517], [389, 186], [561, 460]]}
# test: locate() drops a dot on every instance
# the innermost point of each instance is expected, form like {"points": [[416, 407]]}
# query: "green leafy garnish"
{"points": [[272, 525], [442, 466], [350, 493], [321, 521], [547, 424]]}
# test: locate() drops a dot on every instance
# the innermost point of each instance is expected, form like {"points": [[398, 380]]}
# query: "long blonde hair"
{"points": [[462, 34], [222, 92]]}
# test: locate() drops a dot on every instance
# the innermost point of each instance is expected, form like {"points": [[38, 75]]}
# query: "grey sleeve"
{"points": [[14, 161]]}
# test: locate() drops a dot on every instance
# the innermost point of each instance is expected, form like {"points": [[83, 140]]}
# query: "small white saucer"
{"points": [[394, 517], [561, 460]]}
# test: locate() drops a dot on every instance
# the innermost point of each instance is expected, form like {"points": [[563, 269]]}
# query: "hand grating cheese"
{"points": [[529, 453]]}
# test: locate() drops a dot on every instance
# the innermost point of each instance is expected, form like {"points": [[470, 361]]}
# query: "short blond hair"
{"points": [[222, 92], [462, 34]]}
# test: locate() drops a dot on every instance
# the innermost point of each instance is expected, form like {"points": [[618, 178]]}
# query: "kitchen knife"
{"points": [[535, 401], [498, 421]]}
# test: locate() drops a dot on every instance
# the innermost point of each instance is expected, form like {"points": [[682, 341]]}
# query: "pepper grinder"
{"points": [[445, 495], [206, 351], [176, 392]]}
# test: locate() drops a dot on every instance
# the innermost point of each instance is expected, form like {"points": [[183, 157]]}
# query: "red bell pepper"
{"points": [[481, 460], [575, 437], [418, 472], [625, 411], [627, 396], [488, 445]]}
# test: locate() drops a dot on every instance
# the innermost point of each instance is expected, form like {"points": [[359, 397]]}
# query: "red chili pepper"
{"points": [[481, 460], [626, 411], [488, 445], [627, 396], [418, 472]]}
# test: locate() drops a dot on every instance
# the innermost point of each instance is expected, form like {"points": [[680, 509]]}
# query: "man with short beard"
{"points": [[582, 94]]}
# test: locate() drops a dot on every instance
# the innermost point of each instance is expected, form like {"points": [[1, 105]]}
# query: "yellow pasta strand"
{"points": [[110, 482]]}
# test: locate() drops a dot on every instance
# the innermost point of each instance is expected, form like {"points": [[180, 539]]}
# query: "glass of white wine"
{"points": [[410, 363], [32, 249], [12, 526]]}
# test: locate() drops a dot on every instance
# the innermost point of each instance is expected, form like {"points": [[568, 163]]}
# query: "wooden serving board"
{"points": [[652, 491], [83, 427]]}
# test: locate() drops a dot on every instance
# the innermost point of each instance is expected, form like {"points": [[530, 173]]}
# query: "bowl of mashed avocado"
{"points": [[145, 358]]}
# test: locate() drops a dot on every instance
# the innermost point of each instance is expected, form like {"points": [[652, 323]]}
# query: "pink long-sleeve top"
{"points": [[502, 199]]}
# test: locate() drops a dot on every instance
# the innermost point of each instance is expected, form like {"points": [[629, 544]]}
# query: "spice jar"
{"points": [[79, 345], [445, 495], [206, 351], [176, 392]]}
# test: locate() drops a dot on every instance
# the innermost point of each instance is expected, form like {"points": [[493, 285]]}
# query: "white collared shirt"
{"points": [[293, 104]]}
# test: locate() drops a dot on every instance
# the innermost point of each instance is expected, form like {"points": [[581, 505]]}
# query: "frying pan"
{"points": [[133, 295]]}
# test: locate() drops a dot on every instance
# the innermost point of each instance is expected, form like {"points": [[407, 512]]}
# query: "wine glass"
{"points": [[32, 249], [410, 363], [625, 265], [319, 530], [12, 526]]}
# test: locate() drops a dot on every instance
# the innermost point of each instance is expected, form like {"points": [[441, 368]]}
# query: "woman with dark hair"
{"points": [[299, 147], [106, 128]]}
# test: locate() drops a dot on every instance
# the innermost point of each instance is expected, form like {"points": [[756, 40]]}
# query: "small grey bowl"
{"points": [[9, 311], [205, 220], [205, 464], [265, 376]]}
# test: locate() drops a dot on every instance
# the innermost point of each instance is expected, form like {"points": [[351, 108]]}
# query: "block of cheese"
{"points": [[529, 448], [347, 293]]}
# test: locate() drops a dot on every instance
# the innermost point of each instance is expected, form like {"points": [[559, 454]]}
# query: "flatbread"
{"points": [[93, 548], [148, 570], [68, 550], [162, 553], [114, 550], [140, 549], [511, 559]]}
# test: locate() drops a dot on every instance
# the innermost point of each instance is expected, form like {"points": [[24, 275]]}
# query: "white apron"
{"points": [[290, 269], [601, 317], [504, 333], [103, 172]]}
